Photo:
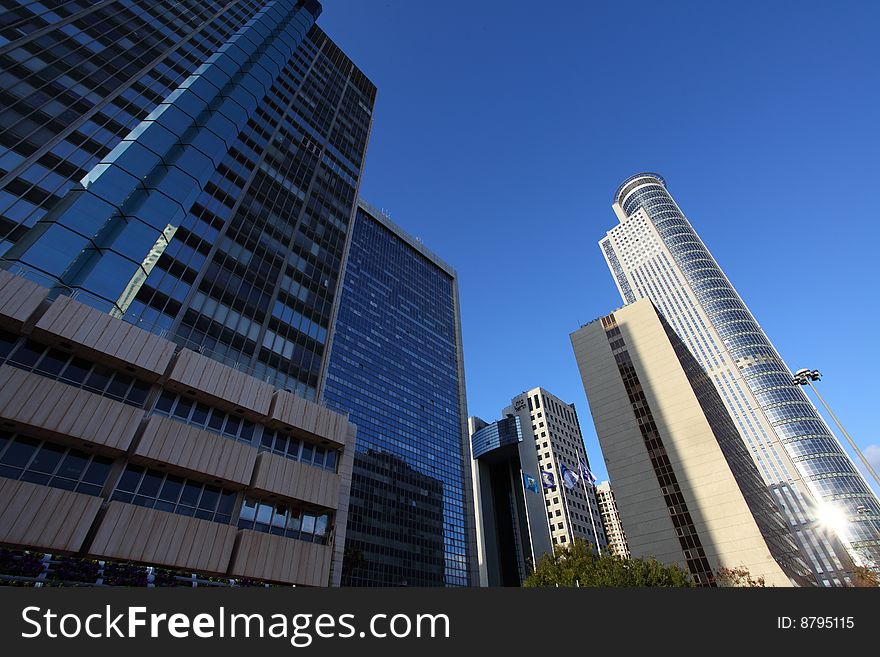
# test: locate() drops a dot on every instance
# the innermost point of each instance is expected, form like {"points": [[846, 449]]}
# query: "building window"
{"points": [[201, 415], [294, 448], [62, 366], [41, 462], [284, 520], [166, 492]]}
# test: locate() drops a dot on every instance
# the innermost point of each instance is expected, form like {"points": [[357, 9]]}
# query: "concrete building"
{"points": [[685, 485], [655, 253], [617, 544], [397, 367], [513, 531], [551, 427], [125, 458]]}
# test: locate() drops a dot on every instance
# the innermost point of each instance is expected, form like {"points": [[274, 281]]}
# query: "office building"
{"points": [[513, 531], [127, 459], [551, 426], [611, 521], [189, 167], [685, 485], [193, 170], [655, 253], [396, 368]]}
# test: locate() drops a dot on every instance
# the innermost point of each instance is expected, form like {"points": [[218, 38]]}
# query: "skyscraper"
{"points": [[611, 521], [551, 426], [655, 253], [686, 488], [396, 367], [513, 531], [191, 168]]}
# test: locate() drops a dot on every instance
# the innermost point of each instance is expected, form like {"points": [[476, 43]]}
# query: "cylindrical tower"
{"points": [[656, 253]]}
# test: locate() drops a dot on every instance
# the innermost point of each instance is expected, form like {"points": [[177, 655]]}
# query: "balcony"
{"points": [[42, 517], [195, 450], [307, 419], [56, 410], [19, 300], [280, 559], [282, 476], [220, 385], [103, 338], [136, 533]]}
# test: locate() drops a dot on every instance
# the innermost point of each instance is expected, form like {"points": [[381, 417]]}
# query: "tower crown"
{"points": [[632, 182]]}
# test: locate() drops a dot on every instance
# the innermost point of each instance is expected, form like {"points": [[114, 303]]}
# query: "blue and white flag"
{"points": [[569, 477], [585, 471], [530, 483], [548, 479]]}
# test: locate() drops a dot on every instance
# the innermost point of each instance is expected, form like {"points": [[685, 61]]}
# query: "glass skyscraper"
{"points": [[193, 169], [189, 167], [654, 252], [396, 368]]}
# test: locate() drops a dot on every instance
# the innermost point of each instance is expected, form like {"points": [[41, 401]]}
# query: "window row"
{"points": [[283, 520], [39, 462], [201, 415], [73, 370], [167, 492]]}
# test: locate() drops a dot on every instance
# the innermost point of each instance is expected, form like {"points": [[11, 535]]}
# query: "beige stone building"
{"points": [[118, 447], [611, 520], [550, 426], [686, 488]]}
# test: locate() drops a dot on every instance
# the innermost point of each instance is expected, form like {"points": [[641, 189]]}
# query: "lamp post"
{"points": [[806, 378]]}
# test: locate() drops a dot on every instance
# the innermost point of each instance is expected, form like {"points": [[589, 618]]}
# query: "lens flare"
{"points": [[831, 518]]}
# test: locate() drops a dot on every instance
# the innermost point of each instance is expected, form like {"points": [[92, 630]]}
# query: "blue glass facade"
{"points": [[78, 76], [218, 213], [500, 433], [396, 368]]}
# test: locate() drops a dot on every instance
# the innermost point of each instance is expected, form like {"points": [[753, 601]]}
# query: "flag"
{"points": [[548, 479], [530, 483], [585, 470], [569, 477]]}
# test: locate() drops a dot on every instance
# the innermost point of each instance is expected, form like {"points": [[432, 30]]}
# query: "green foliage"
{"points": [[576, 565]]}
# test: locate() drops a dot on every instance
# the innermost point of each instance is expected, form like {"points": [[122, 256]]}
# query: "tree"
{"points": [[577, 565], [738, 577], [865, 577]]}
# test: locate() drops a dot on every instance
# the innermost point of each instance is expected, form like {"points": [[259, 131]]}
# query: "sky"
{"points": [[502, 129]]}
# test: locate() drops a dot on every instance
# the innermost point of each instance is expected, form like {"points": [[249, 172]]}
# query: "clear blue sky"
{"points": [[502, 129]]}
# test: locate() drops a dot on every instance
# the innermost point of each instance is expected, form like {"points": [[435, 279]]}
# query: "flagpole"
{"points": [[562, 486], [545, 492], [586, 474], [590, 508], [522, 483], [542, 493]]}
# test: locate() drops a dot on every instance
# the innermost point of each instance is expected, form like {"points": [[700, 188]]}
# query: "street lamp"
{"points": [[806, 378]]}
